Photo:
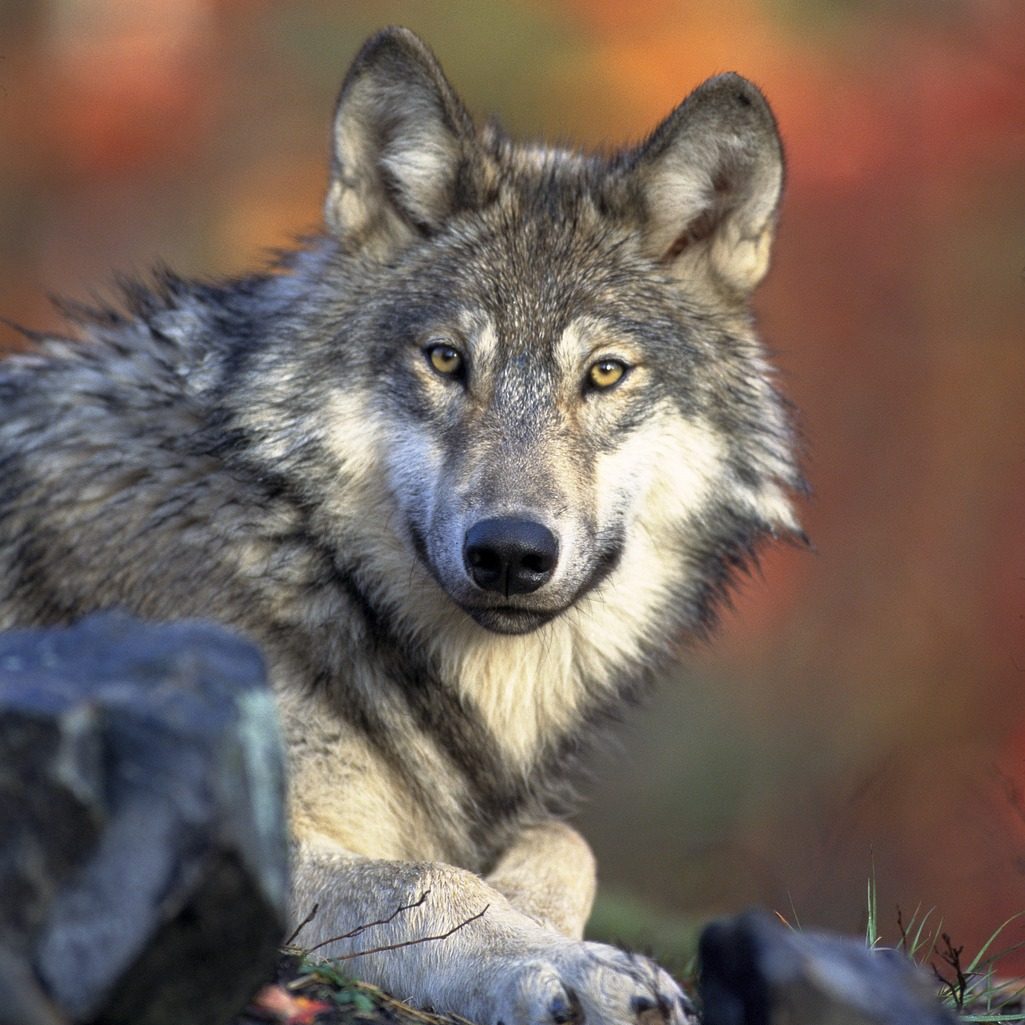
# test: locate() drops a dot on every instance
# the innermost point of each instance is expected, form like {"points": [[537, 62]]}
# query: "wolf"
{"points": [[471, 464]]}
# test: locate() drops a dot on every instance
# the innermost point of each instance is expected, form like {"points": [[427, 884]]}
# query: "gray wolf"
{"points": [[469, 466]]}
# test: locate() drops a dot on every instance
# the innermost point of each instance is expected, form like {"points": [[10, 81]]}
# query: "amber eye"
{"points": [[606, 373], [445, 360]]}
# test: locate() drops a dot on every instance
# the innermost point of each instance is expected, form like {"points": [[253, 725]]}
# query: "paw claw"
{"points": [[567, 1011], [651, 1012], [688, 1010]]}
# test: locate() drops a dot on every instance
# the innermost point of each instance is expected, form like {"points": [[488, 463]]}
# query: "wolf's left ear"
{"points": [[711, 176], [402, 141]]}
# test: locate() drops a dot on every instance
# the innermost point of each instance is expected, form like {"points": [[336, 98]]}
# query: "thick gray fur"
{"points": [[279, 453]]}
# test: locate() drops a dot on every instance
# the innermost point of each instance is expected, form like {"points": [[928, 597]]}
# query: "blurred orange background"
{"points": [[863, 705]]}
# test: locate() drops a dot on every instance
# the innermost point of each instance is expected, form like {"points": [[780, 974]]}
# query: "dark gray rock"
{"points": [[22, 1000], [52, 810], [144, 859], [756, 971]]}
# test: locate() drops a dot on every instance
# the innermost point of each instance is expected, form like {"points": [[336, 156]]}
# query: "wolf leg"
{"points": [[499, 967], [548, 873]]}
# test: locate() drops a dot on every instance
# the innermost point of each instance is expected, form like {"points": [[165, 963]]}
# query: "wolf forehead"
{"points": [[550, 264], [535, 285], [541, 282]]}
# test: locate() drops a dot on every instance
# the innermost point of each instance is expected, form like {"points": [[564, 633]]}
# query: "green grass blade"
{"points": [[982, 952], [918, 941], [872, 923], [986, 1019], [793, 911]]}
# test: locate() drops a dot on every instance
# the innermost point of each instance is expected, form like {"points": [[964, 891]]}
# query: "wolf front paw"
{"points": [[589, 984]]}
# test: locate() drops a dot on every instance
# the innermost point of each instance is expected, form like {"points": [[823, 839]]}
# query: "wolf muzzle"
{"points": [[509, 555]]}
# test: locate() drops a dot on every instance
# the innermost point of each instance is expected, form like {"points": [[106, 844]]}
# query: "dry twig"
{"points": [[413, 943], [370, 925], [959, 984], [302, 925]]}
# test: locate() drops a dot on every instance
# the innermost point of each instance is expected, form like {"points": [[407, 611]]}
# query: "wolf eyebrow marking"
{"points": [[587, 337]]}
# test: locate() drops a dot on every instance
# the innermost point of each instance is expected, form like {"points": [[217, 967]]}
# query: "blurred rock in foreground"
{"points": [[756, 971], [143, 869]]}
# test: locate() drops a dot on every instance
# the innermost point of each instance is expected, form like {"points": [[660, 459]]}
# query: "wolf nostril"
{"points": [[509, 555], [484, 559], [536, 563]]}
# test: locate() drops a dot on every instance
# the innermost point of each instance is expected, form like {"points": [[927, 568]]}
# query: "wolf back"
{"points": [[469, 465]]}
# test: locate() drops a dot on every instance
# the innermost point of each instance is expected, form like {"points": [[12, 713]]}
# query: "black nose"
{"points": [[510, 556]]}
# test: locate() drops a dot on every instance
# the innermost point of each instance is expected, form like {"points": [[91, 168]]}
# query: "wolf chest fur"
{"points": [[468, 466]]}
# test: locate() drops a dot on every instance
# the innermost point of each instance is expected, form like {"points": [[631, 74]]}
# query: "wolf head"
{"points": [[543, 361]]}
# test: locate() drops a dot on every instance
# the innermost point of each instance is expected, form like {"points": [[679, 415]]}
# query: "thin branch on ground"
{"points": [[370, 925], [413, 943], [302, 925], [959, 984]]}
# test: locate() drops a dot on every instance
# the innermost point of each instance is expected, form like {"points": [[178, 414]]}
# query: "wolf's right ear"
{"points": [[710, 177], [402, 141]]}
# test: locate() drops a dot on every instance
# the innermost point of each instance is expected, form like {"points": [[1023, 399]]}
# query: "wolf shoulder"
{"points": [[113, 478]]}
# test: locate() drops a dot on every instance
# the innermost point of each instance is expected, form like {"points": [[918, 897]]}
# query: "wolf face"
{"points": [[564, 387], [530, 426]]}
